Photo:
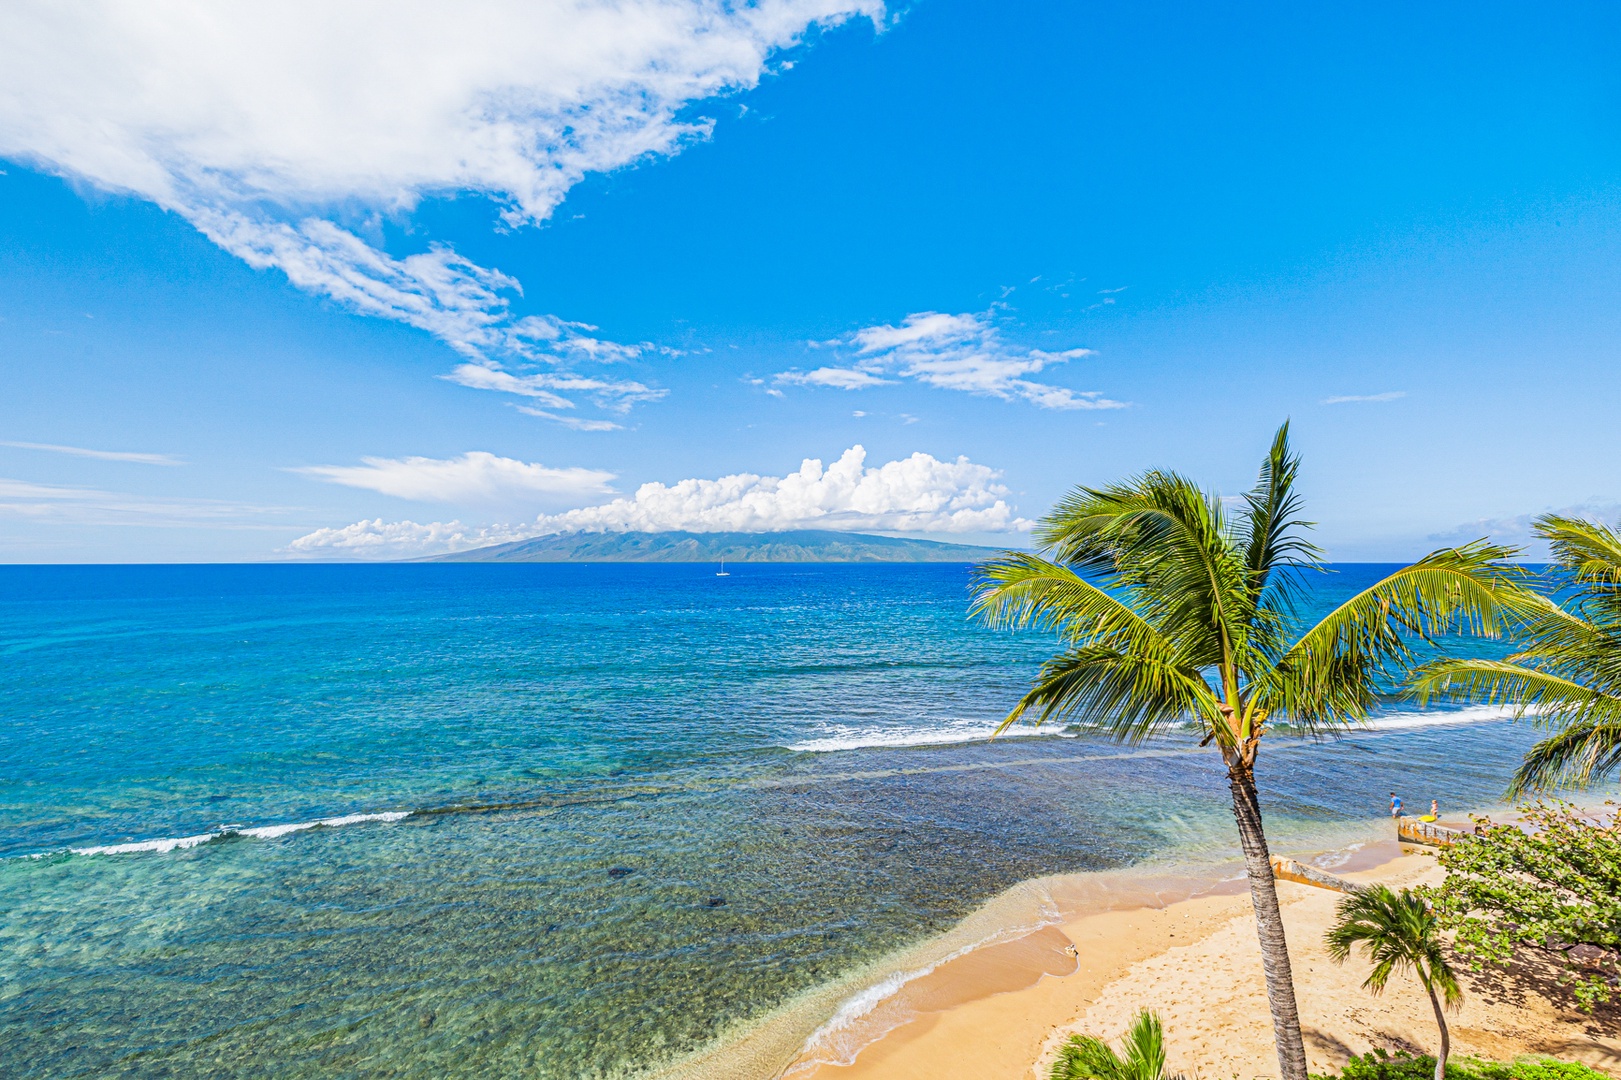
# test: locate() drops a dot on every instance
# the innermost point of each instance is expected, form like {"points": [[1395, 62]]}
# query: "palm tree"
{"points": [[1175, 612], [1086, 1058], [1399, 932], [1568, 674]]}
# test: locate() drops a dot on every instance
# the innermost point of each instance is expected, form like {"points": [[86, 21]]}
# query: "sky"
{"points": [[317, 281]]}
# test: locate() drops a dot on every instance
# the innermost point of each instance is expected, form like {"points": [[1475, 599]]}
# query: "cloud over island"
{"points": [[920, 493]]}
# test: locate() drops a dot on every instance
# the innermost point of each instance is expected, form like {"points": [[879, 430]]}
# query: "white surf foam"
{"points": [[836, 737], [843, 737], [259, 832], [1473, 714]]}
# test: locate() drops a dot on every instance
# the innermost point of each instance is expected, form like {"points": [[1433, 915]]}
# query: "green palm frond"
{"points": [[1566, 673], [1083, 1057], [1019, 591], [1579, 753], [1165, 546], [1590, 551], [1398, 932], [1129, 696], [1330, 674], [1500, 682], [1272, 526]]}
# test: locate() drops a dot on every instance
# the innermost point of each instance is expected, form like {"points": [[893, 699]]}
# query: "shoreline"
{"points": [[1099, 944], [1009, 943], [993, 996]]}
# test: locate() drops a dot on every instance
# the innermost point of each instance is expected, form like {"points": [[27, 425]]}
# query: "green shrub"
{"points": [[1379, 1065]]}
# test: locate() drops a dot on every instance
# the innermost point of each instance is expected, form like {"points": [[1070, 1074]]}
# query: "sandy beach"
{"points": [[999, 1013]]}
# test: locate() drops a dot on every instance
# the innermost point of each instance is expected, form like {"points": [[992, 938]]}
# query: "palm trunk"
{"points": [[1280, 980], [1441, 1022]]}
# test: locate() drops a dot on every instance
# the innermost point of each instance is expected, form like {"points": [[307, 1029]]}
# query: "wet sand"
{"points": [[1000, 1013]]}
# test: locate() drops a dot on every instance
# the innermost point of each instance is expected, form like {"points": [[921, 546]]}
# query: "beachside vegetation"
{"points": [[1566, 674], [1141, 1056], [1177, 607], [1552, 883], [1399, 933], [1382, 1065]]}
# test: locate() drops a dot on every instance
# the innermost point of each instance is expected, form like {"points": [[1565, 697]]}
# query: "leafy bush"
{"points": [[1379, 1065], [1555, 885]]}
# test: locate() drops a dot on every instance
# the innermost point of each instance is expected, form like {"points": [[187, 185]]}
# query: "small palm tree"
{"points": [[1568, 674], [1083, 1057], [1174, 611], [1399, 932]]}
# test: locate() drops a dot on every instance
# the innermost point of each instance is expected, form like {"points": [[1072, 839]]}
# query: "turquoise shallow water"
{"points": [[605, 810]]}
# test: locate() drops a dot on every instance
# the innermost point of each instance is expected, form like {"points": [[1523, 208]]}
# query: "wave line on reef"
{"points": [[226, 832]]}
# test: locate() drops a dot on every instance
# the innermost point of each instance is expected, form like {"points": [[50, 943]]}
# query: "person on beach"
{"points": [[1435, 810], [1395, 805]]}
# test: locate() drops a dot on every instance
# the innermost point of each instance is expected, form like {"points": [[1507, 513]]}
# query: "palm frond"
{"points": [[1145, 1047], [1129, 696], [1398, 932], [1165, 545], [1588, 550], [1327, 676], [1085, 1057], [1499, 682], [1272, 525], [1584, 750], [1020, 591]]}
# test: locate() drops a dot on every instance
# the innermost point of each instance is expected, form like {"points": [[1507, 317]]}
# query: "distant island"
{"points": [[805, 545]]}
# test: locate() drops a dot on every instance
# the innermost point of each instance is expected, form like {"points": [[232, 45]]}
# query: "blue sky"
{"points": [[490, 277]]}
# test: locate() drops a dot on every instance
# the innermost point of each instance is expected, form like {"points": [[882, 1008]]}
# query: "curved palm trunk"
{"points": [[1441, 1022], [1280, 980]]}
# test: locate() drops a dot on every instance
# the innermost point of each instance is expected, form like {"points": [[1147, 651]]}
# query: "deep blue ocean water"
{"points": [[584, 816]]}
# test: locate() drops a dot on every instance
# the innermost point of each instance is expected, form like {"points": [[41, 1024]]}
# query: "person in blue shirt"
{"points": [[1395, 805]]}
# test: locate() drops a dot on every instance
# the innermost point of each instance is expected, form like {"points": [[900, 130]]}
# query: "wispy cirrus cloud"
{"points": [[283, 142], [963, 352], [476, 476], [920, 493], [99, 455], [1358, 399], [55, 504]]}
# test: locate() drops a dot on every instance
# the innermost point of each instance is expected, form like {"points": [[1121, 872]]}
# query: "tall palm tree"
{"points": [[1084, 1057], [1399, 932], [1568, 674], [1175, 612]]}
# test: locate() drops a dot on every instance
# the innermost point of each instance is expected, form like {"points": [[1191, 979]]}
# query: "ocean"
{"points": [[479, 820]]}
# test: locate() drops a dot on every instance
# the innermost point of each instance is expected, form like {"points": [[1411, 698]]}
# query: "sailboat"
{"points": [[722, 572]]}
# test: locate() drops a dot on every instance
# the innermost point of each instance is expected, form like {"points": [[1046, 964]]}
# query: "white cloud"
{"points": [[100, 455], [21, 500], [280, 130], [379, 539], [919, 493], [474, 476], [1517, 529], [954, 352], [838, 378], [1349, 399]]}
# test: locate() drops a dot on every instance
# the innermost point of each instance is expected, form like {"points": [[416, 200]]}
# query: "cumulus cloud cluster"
{"points": [[471, 477], [283, 131], [920, 493], [954, 352]]}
